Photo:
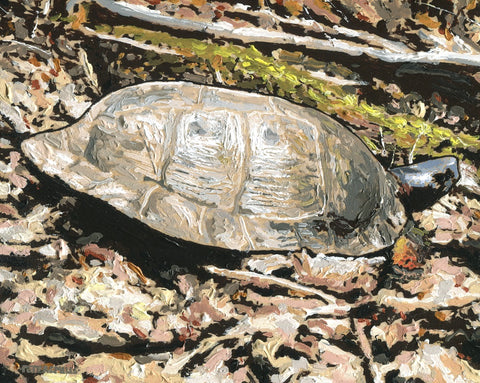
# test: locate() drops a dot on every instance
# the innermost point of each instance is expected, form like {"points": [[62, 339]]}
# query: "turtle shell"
{"points": [[227, 168]]}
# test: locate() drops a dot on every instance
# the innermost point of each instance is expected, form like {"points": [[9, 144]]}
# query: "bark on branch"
{"points": [[373, 46]]}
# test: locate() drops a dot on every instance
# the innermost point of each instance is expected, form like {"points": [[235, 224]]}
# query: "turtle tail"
{"points": [[425, 182]]}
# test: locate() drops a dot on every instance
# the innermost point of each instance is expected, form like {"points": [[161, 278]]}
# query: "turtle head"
{"points": [[425, 182]]}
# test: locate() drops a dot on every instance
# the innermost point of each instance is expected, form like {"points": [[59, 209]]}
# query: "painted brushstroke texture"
{"points": [[228, 169], [391, 51], [89, 290]]}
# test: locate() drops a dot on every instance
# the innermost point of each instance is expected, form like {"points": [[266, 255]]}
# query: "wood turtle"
{"points": [[232, 169]]}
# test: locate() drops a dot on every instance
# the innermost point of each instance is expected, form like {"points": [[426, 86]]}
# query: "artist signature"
{"points": [[48, 368]]}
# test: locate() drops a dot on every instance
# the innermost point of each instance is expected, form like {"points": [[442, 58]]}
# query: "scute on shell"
{"points": [[227, 168]]}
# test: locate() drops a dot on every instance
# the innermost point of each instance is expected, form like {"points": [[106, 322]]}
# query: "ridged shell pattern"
{"points": [[227, 168]]}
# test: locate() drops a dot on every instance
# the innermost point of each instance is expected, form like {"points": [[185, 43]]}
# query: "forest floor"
{"points": [[89, 295]]}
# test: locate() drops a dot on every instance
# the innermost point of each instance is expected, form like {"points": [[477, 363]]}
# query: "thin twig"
{"points": [[29, 46], [412, 151], [14, 116], [393, 157], [364, 342], [46, 8], [249, 275], [34, 30]]}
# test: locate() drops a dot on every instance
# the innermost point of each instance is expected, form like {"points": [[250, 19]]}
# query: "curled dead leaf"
{"points": [[137, 270]]}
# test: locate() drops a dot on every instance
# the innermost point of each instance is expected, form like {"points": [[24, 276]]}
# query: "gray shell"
{"points": [[227, 168]]}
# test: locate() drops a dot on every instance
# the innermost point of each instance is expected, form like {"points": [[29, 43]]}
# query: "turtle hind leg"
{"points": [[422, 184]]}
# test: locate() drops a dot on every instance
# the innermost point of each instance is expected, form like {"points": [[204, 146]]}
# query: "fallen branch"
{"points": [[393, 52], [268, 279], [246, 34], [133, 43]]}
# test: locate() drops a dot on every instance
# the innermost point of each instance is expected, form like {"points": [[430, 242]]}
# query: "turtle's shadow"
{"points": [[160, 257]]}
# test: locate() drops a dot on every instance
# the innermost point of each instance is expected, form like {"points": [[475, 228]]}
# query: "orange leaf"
{"points": [[82, 260], [293, 7], [426, 20], [471, 5], [121, 355], [448, 34], [33, 60], [56, 63], [362, 17], [217, 62], [404, 254], [79, 18], [139, 333]]}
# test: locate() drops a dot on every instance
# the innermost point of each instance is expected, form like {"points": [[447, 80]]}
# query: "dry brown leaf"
{"points": [[428, 21], [79, 18], [121, 355], [137, 270]]}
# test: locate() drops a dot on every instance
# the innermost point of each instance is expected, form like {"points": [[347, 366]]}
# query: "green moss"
{"points": [[371, 145], [55, 17], [278, 77], [68, 19]]}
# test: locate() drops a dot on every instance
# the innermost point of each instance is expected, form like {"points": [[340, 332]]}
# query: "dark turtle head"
{"points": [[424, 183]]}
